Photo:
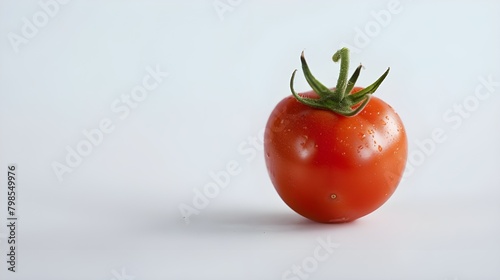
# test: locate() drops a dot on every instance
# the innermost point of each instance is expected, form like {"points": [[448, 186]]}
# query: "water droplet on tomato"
{"points": [[360, 147], [379, 148]]}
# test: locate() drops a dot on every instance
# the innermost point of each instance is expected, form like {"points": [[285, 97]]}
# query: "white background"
{"points": [[116, 215]]}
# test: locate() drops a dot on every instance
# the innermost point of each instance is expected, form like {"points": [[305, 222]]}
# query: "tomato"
{"points": [[334, 166]]}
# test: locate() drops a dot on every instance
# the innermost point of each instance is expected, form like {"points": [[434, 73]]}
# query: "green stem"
{"points": [[343, 55], [338, 100]]}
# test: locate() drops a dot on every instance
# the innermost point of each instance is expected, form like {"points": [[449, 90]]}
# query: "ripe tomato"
{"points": [[335, 165]]}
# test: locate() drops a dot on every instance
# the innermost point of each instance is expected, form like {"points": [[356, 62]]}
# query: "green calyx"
{"points": [[338, 100]]}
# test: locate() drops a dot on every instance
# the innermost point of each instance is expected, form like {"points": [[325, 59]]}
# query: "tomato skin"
{"points": [[331, 168]]}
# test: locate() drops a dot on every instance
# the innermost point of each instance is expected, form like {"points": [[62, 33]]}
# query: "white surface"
{"points": [[117, 214]]}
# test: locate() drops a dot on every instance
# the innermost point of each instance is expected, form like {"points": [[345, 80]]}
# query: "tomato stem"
{"points": [[338, 100], [343, 56]]}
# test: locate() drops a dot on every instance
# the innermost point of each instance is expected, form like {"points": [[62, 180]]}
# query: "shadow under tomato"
{"points": [[250, 220]]}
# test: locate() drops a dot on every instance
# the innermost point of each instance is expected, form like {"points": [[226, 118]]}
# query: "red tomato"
{"points": [[333, 168]]}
